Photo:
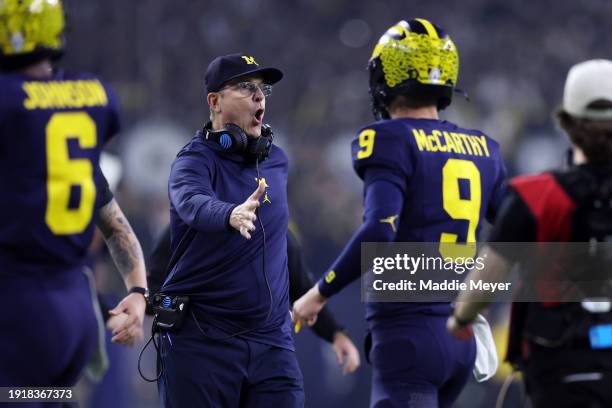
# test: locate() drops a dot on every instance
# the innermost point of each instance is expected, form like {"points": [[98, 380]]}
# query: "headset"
{"points": [[233, 139]]}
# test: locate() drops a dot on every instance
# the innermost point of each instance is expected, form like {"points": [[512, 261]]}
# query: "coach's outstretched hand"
{"points": [[127, 317], [243, 216], [306, 308]]}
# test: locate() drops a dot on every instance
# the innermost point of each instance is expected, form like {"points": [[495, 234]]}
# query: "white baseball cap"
{"points": [[588, 82]]}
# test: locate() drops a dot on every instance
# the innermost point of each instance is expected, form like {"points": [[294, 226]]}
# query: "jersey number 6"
{"points": [[64, 172]]}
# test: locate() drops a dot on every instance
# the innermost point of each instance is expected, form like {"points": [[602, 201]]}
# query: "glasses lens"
{"points": [[250, 88], [246, 87]]}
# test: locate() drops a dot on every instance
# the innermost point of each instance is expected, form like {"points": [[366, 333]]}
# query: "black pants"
{"points": [[565, 378]]}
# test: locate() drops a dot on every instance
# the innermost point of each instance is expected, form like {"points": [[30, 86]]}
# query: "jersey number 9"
{"points": [[366, 142], [460, 209]]}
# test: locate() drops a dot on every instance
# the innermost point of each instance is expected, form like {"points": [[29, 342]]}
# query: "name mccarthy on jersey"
{"points": [[443, 141]]}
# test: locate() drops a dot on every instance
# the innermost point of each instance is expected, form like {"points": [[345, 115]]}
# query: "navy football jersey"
{"points": [[451, 178], [51, 134], [424, 181]]}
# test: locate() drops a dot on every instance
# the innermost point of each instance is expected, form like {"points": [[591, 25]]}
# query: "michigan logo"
{"points": [[249, 60], [263, 180]]}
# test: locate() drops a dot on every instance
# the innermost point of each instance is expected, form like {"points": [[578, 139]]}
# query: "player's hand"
{"points": [[130, 331], [243, 216], [306, 308], [346, 353], [458, 330], [115, 321]]}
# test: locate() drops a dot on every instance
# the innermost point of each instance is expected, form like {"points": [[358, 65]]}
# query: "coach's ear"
{"points": [[213, 99]]}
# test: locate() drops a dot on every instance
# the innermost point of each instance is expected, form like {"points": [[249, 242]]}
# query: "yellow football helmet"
{"points": [[413, 58], [31, 27]]}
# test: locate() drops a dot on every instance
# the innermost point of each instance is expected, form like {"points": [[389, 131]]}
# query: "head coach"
{"points": [[229, 216]]}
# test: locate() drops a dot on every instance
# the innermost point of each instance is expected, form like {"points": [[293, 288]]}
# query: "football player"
{"points": [[52, 129], [425, 180]]}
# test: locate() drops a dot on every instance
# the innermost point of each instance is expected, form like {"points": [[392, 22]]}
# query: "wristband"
{"points": [[143, 291]]}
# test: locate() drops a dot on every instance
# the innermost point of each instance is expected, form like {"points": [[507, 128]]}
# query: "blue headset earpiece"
{"points": [[230, 137], [234, 140]]}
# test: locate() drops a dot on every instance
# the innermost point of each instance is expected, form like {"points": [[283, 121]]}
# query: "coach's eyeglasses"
{"points": [[247, 88]]}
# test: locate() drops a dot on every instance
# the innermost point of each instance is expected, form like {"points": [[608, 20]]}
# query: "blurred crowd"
{"points": [[514, 57]]}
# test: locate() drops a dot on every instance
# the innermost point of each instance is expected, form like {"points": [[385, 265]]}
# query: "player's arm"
{"points": [[470, 303], [129, 260], [515, 223], [381, 158], [122, 245], [382, 207]]}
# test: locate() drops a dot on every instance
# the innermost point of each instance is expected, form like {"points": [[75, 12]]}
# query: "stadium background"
{"points": [[514, 57]]}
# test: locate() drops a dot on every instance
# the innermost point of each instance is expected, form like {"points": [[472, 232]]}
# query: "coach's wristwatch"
{"points": [[143, 291]]}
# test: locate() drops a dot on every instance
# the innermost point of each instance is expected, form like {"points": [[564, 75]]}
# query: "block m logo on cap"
{"points": [[249, 60]]}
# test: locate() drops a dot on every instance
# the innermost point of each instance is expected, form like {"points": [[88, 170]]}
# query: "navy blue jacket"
{"points": [[234, 284]]}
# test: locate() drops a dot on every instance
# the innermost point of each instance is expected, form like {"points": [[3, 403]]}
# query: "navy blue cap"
{"points": [[227, 67]]}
